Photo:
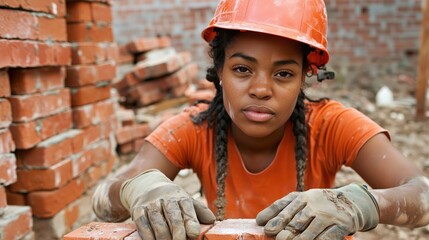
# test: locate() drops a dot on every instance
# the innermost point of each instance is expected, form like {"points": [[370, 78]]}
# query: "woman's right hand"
{"points": [[161, 209]]}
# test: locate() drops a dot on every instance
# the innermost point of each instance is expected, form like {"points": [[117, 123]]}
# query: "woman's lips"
{"points": [[258, 113]]}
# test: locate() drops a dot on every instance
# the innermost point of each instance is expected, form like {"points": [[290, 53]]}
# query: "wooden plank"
{"points": [[423, 68]]}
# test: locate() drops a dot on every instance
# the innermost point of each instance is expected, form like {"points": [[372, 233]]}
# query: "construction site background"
{"points": [[83, 82]]}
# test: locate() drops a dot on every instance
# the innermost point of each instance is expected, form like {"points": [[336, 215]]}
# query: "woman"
{"points": [[262, 149]]}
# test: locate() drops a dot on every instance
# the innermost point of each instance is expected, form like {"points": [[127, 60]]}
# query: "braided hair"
{"points": [[217, 117]]}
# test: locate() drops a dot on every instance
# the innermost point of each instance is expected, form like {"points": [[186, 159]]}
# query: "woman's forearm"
{"points": [[406, 205]]}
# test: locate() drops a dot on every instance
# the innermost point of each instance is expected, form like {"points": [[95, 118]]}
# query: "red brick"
{"points": [[89, 32], [11, 20], [129, 133], [81, 75], [16, 53], [6, 142], [73, 215], [142, 45], [101, 12], [93, 175], [164, 42], [79, 12], [36, 28], [52, 29], [185, 75], [93, 154], [126, 117], [150, 97], [43, 179], [146, 93], [16, 223], [125, 56], [89, 94], [127, 81], [205, 94], [55, 7], [111, 51], [179, 90], [34, 80], [109, 127], [7, 169], [205, 84], [46, 204], [3, 200], [27, 135], [85, 53], [4, 84], [55, 54], [133, 236], [153, 68], [92, 114], [106, 231], [90, 52], [48, 152], [5, 113], [86, 137], [15, 198], [236, 229], [102, 231], [125, 148], [30, 107]]}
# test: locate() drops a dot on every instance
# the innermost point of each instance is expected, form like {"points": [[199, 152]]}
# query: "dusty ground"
{"points": [[409, 136]]}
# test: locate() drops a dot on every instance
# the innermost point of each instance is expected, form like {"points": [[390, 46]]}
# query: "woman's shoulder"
{"points": [[324, 106], [332, 111]]}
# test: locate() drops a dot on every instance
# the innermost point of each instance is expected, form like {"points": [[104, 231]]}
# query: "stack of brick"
{"points": [[151, 73], [64, 169], [34, 104], [61, 115], [94, 55], [15, 221], [160, 73]]}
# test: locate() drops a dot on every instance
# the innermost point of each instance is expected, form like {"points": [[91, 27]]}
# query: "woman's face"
{"points": [[261, 79]]}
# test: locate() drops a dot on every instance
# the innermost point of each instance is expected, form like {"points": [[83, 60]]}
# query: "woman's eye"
{"points": [[284, 74], [241, 69]]}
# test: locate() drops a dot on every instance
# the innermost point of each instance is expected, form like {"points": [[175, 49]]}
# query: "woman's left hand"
{"points": [[321, 214]]}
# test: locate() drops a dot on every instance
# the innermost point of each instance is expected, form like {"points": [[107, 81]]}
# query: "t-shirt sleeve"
{"points": [[342, 132], [175, 138]]}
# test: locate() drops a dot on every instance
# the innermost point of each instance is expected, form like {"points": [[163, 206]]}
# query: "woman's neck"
{"points": [[257, 153]]}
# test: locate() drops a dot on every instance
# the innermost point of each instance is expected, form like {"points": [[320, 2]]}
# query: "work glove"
{"points": [[102, 203], [161, 209], [321, 213]]}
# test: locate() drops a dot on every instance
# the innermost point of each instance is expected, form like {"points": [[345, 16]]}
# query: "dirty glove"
{"points": [[321, 213], [103, 206], [161, 209]]}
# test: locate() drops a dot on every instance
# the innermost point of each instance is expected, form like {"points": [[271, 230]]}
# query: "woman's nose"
{"points": [[260, 87]]}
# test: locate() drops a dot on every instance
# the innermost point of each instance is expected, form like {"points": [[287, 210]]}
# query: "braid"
{"points": [[300, 132], [217, 117], [221, 148]]}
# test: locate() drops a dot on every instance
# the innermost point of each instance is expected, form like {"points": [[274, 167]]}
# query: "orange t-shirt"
{"points": [[336, 134]]}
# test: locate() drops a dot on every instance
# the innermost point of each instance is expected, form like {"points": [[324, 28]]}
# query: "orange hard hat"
{"points": [[301, 20]]}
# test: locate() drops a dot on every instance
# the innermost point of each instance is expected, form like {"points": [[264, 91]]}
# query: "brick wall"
{"points": [[181, 20], [370, 38], [57, 118]]}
